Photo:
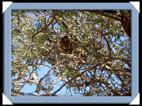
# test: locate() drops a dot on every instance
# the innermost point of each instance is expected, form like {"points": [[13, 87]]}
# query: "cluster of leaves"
{"points": [[99, 64]]}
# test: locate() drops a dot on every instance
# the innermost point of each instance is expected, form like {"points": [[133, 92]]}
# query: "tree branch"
{"points": [[90, 68], [103, 14]]}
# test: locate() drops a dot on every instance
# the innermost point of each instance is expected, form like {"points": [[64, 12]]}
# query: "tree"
{"points": [[86, 52]]}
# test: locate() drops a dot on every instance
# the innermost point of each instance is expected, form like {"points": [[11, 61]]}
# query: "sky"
{"points": [[42, 70]]}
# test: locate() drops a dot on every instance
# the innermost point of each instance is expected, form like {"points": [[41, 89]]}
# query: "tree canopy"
{"points": [[84, 52]]}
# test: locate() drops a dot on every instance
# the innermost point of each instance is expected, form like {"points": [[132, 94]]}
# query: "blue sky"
{"points": [[42, 70]]}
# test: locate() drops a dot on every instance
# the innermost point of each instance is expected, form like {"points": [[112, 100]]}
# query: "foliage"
{"points": [[99, 62]]}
